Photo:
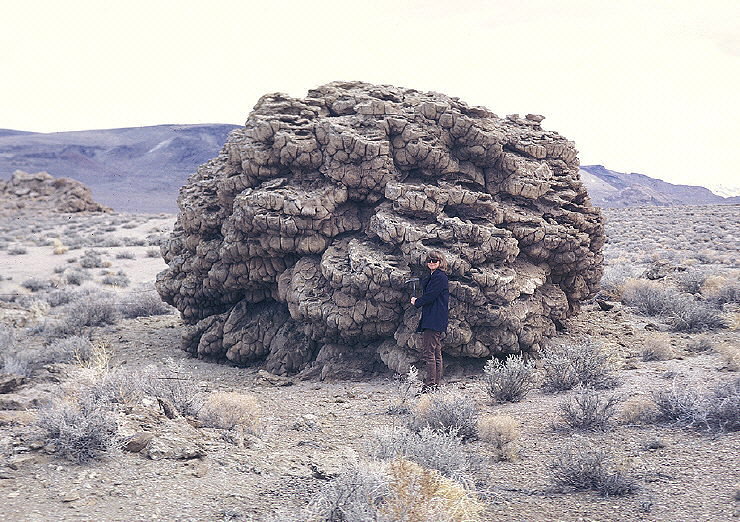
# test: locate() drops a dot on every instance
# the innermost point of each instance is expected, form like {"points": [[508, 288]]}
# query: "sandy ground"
{"points": [[310, 431]]}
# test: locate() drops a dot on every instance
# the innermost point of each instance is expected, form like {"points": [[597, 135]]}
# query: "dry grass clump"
{"points": [[417, 493], [503, 432], [509, 381], [446, 409], [588, 409], [566, 366], [80, 428], [228, 410], [730, 355], [657, 347], [638, 411], [581, 467]]}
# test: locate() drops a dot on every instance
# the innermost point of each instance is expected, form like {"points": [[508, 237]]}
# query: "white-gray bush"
{"points": [[143, 303], [582, 467], [684, 406], [588, 409], [568, 365], [446, 409], [80, 428], [509, 381], [433, 449]]}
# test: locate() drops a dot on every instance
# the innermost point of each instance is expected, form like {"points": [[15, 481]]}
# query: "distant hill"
{"points": [[137, 169], [141, 169], [609, 188]]}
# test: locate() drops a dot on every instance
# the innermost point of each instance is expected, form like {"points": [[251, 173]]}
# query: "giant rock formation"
{"points": [[292, 246]]}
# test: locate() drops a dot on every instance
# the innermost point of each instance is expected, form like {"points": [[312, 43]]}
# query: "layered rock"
{"points": [[42, 191], [293, 245]]}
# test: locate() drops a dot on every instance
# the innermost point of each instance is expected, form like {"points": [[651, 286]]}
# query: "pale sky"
{"points": [[640, 86]]}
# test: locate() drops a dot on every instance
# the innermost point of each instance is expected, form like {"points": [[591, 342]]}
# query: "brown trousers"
{"points": [[431, 346]]}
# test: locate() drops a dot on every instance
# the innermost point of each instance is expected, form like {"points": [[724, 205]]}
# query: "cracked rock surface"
{"points": [[292, 247]]}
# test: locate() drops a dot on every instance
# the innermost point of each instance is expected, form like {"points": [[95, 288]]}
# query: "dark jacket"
{"points": [[434, 302]]}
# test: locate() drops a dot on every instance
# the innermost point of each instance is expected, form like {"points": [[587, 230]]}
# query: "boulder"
{"points": [[43, 191], [292, 246]]}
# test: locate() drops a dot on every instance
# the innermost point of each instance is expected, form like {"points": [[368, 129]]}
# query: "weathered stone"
{"points": [[292, 246], [43, 191], [8, 383], [138, 441]]}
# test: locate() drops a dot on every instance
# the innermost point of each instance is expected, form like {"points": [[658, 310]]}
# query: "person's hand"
{"points": [[413, 300]]}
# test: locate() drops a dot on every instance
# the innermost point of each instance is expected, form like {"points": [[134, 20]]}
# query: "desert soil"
{"points": [[310, 430]]}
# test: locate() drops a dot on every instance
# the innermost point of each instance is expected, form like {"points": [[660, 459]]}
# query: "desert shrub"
{"points": [[680, 405], [119, 279], [508, 381], [700, 344], [134, 241], [125, 254], [691, 280], [566, 366], [59, 269], [614, 278], [688, 315], [77, 277], [153, 252], [723, 407], [18, 363], [121, 385], [74, 348], [17, 251], [722, 290], [59, 297], [181, 392], [649, 297], [730, 355], [355, 494], [8, 339], [408, 387], [444, 410], [91, 308], [34, 284], [657, 348], [588, 409], [227, 410], [583, 468], [142, 304], [440, 450], [94, 310], [718, 410], [502, 431], [80, 428], [112, 243], [91, 259]]}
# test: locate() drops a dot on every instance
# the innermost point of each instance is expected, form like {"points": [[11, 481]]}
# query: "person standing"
{"points": [[434, 304]]}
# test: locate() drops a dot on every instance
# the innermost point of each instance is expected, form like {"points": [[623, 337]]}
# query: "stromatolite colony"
{"points": [[293, 245]]}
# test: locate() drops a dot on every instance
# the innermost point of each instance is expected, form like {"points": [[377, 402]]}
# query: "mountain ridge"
{"points": [[141, 169]]}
